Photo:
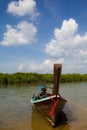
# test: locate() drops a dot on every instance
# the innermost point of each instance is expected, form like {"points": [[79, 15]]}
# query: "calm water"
{"points": [[16, 112]]}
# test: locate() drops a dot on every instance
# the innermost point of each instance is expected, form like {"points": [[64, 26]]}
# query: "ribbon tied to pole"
{"points": [[54, 105]]}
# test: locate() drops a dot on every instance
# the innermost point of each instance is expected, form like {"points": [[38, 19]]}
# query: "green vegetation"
{"points": [[25, 78], [39, 78]]}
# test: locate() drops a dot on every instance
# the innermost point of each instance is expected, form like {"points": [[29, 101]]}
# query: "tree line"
{"points": [[39, 78]]}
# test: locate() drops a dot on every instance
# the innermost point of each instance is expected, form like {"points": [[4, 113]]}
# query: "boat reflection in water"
{"points": [[39, 123], [50, 105]]}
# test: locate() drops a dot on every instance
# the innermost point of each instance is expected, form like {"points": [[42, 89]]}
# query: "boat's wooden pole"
{"points": [[57, 74]]}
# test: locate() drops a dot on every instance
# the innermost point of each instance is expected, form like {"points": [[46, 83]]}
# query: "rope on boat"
{"points": [[53, 108], [54, 105]]}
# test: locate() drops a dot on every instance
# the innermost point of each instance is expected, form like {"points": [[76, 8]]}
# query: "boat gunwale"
{"points": [[45, 98]]}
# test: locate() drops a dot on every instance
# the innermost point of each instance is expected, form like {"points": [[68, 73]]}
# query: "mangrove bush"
{"points": [[39, 78]]}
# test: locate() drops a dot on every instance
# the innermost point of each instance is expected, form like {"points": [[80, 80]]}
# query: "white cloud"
{"points": [[45, 67], [21, 67], [63, 39], [67, 44], [83, 53], [23, 33], [67, 47], [23, 7]]}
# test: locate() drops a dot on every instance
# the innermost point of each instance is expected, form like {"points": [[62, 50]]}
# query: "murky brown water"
{"points": [[16, 112]]}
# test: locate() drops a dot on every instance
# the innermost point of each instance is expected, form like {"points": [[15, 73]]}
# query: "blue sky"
{"points": [[35, 34]]}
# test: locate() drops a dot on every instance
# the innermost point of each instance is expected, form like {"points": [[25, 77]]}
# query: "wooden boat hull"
{"points": [[51, 108]]}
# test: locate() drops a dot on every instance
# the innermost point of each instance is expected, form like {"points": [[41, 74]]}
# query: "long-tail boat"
{"points": [[50, 105]]}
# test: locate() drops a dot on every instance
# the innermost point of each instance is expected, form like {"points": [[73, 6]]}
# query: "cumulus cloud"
{"points": [[68, 45], [22, 8], [63, 39], [23, 33], [45, 67], [21, 67]]}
